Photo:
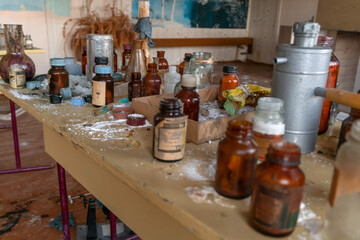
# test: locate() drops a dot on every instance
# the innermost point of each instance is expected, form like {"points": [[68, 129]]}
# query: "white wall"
{"points": [[297, 11]]}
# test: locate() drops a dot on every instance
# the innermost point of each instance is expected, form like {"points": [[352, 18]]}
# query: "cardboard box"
{"points": [[197, 132]]}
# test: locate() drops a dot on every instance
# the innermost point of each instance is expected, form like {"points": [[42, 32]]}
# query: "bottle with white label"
{"points": [[102, 86], [169, 131], [268, 123], [343, 213]]}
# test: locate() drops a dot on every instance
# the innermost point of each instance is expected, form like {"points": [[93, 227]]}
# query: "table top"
{"points": [[159, 200]]}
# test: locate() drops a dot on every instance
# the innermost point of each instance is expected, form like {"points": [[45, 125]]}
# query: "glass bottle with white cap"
{"points": [[189, 97]]}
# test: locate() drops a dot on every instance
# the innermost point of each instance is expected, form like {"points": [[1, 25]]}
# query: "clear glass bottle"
{"points": [[236, 161], [330, 82], [83, 61], [28, 42], [278, 190], [171, 78], [268, 123], [15, 53], [126, 56], [187, 70], [202, 68], [228, 81], [189, 97], [151, 81], [182, 64], [102, 86], [59, 77], [169, 131], [343, 213], [135, 86]]}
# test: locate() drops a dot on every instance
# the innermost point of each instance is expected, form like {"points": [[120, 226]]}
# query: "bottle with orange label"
{"points": [[268, 123], [343, 213], [228, 81], [102, 86], [236, 161], [278, 190]]}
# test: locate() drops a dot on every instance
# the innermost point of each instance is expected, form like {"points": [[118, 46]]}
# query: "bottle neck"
{"points": [[240, 135], [58, 67]]}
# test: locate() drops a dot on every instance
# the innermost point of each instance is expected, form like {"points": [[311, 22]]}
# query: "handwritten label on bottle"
{"points": [[98, 93], [169, 139]]}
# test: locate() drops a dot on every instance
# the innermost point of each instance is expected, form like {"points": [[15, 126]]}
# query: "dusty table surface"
{"points": [[159, 200]]}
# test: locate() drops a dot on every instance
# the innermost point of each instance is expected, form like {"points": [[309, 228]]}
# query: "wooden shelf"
{"points": [[35, 50]]}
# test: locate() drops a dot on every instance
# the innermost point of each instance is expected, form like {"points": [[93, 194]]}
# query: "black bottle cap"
{"points": [[230, 69], [188, 57], [101, 60], [55, 98], [88, 98]]}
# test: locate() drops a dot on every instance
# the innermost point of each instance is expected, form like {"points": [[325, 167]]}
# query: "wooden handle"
{"points": [[343, 97]]}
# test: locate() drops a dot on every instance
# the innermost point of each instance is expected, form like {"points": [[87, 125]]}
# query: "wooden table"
{"points": [[157, 200]]}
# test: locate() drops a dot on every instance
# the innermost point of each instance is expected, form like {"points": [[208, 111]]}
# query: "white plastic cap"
{"points": [[188, 80]]}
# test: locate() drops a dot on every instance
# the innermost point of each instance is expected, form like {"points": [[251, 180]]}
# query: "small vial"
{"points": [[228, 81], [268, 123], [169, 131], [278, 190], [102, 86], [189, 97], [151, 81], [236, 161], [59, 77], [135, 86]]}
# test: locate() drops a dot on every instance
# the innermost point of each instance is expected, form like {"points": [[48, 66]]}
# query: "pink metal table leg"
{"points": [[112, 226], [63, 202], [16, 147]]}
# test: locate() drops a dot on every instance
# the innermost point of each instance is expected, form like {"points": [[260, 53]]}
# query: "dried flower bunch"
{"points": [[117, 24]]}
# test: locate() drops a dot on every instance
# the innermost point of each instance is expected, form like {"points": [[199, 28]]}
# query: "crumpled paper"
{"points": [[244, 94]]}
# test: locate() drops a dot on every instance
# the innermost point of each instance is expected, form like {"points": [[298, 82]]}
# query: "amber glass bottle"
{"points": [[59, 77], [347, 123], [182, 64], [151, 81], [163, 63], [189, 97], [115, 61], [135, 86], [278, 190], [236, 161], [228, 81], [169, 131], [83, 61], [102, 86], [126, 56], [330, 82]]}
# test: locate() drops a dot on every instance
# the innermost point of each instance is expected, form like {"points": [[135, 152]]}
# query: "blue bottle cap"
{"points": [[57, 62], [66, 93], [31, 84], [102, 69], [77, 101]]}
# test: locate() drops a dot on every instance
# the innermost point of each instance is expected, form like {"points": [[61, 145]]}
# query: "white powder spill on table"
{"points": [[206, 194], [310, 221], [211, 110], [23, 96]]}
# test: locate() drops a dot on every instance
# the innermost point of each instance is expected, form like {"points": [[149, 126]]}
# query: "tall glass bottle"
{"points": [[189, 97], [182, 64], [83, 61], [343, 213], [278, 190], [330, 83], [59, 77], [15, 53], [102, 86], [171, 78], [151, 81], [236, 161], [135, 86]]}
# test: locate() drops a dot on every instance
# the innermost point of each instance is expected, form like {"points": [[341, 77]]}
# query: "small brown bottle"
{"points": [[151, 81], [135, 86], [236, 161], [59, 77], [169, 131], [278, 190], [163, 63], [102, 86], [126, 56], [189, 97], [182, 64]]}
